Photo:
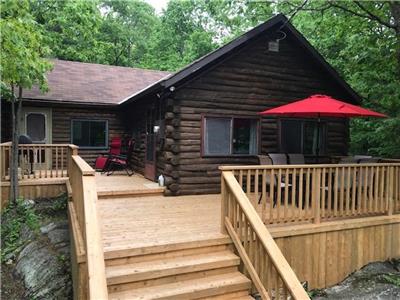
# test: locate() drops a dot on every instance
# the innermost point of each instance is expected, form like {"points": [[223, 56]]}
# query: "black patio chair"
{"points": [[275, 159], [116, 162]]}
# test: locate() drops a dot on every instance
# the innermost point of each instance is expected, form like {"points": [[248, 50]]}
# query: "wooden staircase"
{"points": [[204, 270]]}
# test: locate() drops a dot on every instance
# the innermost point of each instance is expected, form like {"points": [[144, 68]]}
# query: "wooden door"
{"points": [[150, 157], [150, 160]]}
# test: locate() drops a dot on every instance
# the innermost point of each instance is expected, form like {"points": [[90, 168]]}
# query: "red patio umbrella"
{"points": [[318, 106]]}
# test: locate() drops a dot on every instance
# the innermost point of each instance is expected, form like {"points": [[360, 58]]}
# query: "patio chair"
{"points": [[348, 160], [275, 159], [296, 159], [115, 149], [278, 158], [115, 162], [371, 160], [359, 157]]}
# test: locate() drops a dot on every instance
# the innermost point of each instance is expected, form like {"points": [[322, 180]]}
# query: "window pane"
{"points": [[244, 136], [291, 136], [310, 138], [89, 133], [36, 127], [97, 134], [217, 138]]}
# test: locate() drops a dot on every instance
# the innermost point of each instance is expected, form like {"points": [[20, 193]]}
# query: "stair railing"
{"points": [[90, 282], [262, 259]]}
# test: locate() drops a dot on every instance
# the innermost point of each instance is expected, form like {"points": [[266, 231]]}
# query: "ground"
{"points": [[375, 281], [35, 250]]}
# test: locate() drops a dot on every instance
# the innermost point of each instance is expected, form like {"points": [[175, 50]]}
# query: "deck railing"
{"points": [[317, 193], [263, 261], [36, 160], [86, 227]]}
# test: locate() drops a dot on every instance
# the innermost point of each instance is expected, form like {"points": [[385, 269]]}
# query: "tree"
{"points": [[125, 30], [71, 29], [22, 66], [361, 40]]}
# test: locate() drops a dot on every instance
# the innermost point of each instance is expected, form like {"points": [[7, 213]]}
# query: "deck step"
{"points": [[241, 295], [163, 267], [189, 289], [125, 252], [110, 195]]}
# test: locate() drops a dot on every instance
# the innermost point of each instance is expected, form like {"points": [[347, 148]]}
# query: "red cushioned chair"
{"points": [[115, 149], [115, 162]]}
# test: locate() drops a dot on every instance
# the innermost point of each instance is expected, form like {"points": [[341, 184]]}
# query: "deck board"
{"points": [[157, 220], [120, 183]]}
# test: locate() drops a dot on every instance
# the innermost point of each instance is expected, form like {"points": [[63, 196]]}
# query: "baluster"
{"points": [[348, 186], [300, 209], [264, 196], [359, 190], [277, 285], [329, 191], [270, 276], [342, 195], [241, 178], [256, 196], [286, 205], [307, 206], [56, 148], [294, 190], [353, 191], [279, 191], [375, 188], [365, 191], [323, 191], [62, 162], [271, 196], [248, 184], [370, 191], [336, 193], [382, 189]]}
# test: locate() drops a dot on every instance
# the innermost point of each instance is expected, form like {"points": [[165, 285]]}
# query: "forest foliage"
{"points": [[360, 39]]}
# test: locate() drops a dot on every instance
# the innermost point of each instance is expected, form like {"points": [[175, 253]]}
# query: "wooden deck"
{"points": [[119, 184], [156, 221]]}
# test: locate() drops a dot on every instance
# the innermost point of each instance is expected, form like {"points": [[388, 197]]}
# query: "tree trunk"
{"points": [[16, 112], [14, 151]]}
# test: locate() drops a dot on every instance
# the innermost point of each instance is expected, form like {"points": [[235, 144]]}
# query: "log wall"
{"points": [[61, 124], [62, 117], [244, 84]]}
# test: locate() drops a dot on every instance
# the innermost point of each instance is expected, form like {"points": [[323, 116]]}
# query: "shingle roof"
{"points": [[77, 82]]}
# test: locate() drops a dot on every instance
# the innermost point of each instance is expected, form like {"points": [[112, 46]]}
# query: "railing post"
{"points": [[316, 192], [72, 150], [390, 191], [223, 204]]}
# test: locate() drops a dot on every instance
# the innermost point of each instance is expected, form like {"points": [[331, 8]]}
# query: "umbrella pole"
{"points": [[318, 130]]}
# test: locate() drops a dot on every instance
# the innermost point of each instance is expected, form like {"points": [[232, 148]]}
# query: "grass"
{"points": [[13, 218]]}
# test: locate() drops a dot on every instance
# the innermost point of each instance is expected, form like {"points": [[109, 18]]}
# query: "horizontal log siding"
{"points": [[62, 117], [243, 85]]}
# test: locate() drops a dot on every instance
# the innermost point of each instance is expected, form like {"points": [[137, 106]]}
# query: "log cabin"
{"points": [[205, 115]]}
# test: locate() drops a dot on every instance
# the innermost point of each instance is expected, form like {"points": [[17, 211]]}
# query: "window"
{"points": [[36, 127], [230, 136], [300, 136], [90, 133]]}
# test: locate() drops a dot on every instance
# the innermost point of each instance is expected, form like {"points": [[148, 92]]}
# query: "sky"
{"points": [[158, 4]]}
